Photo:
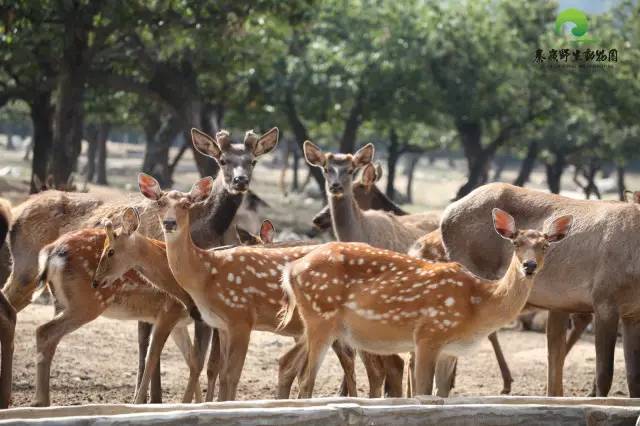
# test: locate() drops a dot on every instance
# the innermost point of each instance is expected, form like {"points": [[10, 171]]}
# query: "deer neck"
{"points": [[346, 218], [210, 221], [183, 255], [508, 295]]}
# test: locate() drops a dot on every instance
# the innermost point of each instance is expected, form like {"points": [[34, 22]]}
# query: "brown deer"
{"points": [[68, 266], [596, 271], [368, 197], [386, 302], [264, 236], [378, 228], [236, 289], [7, 318], [49, 214]]}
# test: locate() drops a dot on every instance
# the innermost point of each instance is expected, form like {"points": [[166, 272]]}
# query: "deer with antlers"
{"points": [[237, 290], [68, 267], [385, 302]]}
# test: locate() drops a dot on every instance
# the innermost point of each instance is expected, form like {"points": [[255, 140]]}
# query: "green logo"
{"points": [[580, 29]]}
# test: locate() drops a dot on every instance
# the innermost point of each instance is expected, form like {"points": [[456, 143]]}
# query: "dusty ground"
{"points": [[97, 364]]}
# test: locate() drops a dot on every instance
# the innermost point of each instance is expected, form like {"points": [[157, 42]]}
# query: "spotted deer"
{"points": [[386, 302], [46, 216], [378, 228], [68, 267], [237, 290]]}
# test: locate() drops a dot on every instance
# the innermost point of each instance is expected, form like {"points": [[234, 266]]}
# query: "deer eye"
{"points": [[516, 244], [111, 252], [254, 162], [223, 162]]}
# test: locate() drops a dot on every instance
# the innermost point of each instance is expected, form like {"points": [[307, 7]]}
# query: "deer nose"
{"points": [[170, 224], [335, 188], [530, 266], [95, 284]]}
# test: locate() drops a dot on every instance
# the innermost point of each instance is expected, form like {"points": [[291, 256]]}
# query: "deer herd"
{"points": [[432, 285]]}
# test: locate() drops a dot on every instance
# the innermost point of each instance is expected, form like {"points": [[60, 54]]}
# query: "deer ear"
{"points": [[504, 224], [379, 171], [368, 175], [266, 143], [559, 228], [244, 236], [149, 187], [201, 190], [313, 154], [267, 231], [205, 144], [130, 221], [364, 155]]}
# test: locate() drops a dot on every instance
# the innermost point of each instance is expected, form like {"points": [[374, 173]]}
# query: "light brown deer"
{"points": [[596, 271], [236, 289], [378, 228], [68, 266], [385, 302], [49, 214]]}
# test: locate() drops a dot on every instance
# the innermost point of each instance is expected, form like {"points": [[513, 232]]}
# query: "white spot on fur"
{"points": [[449, 301]]}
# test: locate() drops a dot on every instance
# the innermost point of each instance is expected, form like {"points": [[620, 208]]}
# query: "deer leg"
{"points": [[394, 369], [426, 358], [144, 336], [180, 335], [606, 326], [580, 323], [7, 333], [161, 329], [202, 338], [556, 342], [318, 338], [346, 356], [237, 345], [290, 365], [507, 380], [48, 336], [411, 374], [213, 366], [445, 374], [375, 373], [631, 342]]}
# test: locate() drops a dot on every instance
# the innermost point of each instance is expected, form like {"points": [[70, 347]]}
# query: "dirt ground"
{"points": [[97, 364]]}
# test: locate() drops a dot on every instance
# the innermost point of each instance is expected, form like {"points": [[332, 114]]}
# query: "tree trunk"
{"points": [[622, 187], [206, 166], [101, 163], [500, 165], [159, 138], [527, 165], [42, 119], [301, 135], [92, 139], [392, 162], [295, 165], [471, 137], [351, 125], [9, 133], [412, 162], [554, 172], [69, 114]]}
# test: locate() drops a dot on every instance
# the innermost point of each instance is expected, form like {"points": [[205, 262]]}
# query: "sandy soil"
{"points": [[97, 364]]}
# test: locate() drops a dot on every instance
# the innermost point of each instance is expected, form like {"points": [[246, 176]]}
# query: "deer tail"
{"points": [[288, 310], [43, 272]]}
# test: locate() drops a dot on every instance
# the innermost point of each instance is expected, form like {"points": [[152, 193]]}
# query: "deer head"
{"points": [[530, 245], [338, 169], [265, 236], [236, 160], [113, 261]]}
